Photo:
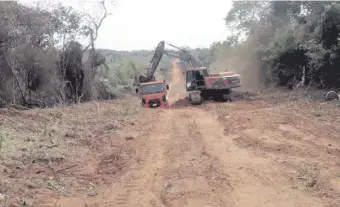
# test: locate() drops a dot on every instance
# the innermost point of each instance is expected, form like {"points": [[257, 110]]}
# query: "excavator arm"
{"points": [[181, 54], [184, 55]]}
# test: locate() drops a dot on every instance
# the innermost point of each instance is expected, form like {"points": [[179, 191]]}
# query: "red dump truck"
{"points": [[153, 94]]}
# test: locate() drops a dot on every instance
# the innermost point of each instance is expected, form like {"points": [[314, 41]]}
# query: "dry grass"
{"points": [[65, 151], [301, 130], [37, 146]]}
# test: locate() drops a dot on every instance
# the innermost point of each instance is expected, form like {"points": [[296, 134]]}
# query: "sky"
{"points": [[141, 24]]}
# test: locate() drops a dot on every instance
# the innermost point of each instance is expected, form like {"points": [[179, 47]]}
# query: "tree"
{"points": [[25, 32], [33, 39], [297, 41]]}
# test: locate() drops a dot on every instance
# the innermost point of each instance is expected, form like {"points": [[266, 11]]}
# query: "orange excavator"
{"points": [[200, 85]]}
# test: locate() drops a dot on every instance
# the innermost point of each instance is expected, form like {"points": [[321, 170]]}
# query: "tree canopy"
{"points": [[292, 41], [43, 63]]}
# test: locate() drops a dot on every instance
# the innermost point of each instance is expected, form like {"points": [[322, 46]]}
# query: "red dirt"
{"points": [[251, 152]]}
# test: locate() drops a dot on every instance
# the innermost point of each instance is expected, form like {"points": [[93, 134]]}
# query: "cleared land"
{"points": [[252, 152]]}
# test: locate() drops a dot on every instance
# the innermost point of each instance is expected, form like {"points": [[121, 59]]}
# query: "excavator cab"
{"points": [[195, 78]]}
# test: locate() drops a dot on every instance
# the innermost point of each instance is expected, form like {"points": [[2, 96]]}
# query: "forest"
{"points": [[272, 43], [43, 64], [284, 43]]}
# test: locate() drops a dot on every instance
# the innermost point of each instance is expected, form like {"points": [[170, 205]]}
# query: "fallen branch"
{"points": [[66, 168], [18, 107]]}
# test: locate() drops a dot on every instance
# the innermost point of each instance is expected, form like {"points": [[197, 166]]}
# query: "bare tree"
{"points": [[91, 31]]}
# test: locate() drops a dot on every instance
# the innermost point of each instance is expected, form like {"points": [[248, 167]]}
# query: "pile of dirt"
{"points": [[179, 103]]}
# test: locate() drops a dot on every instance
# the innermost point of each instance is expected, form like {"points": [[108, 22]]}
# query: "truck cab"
{"points": [[153, 94]]}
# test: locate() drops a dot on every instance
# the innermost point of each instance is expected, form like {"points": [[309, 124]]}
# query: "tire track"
{"points": [[188, 159], [138, 189], [190, 162], [192, 176], [257, 181]]}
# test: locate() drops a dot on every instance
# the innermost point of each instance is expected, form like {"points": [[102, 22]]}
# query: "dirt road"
{"points": [[196, 157], [261, 152], [242, 154]]}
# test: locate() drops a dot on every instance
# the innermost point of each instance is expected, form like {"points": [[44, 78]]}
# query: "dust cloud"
{"points": [[243, 60], [176, 83]]}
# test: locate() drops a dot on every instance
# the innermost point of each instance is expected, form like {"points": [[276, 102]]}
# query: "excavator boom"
{"points": [[181, 54]]}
